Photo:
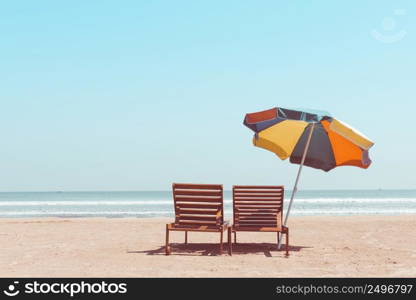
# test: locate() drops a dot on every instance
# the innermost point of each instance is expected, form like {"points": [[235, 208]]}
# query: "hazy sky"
{"points": [[135, 95]]}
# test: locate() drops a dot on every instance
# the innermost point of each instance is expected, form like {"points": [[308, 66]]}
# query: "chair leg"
{"points": [[230, 244], [287, 242], [221, 236], [186, 237], [235, 237], [278, 237], [167, 247]]}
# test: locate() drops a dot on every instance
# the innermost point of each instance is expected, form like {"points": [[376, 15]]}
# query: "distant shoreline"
{"points": [[172, 217], [225, 190]]}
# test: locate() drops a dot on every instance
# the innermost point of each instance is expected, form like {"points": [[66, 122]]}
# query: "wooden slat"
{"points": [[244, 214], [251, 206], [199, 205], [254, 195], [265, 192], [255, 204], [270, 208], [194, 228], [239, 203], [196, 223], [258, 205], [257, 200], [197, 193], [254, 199], [197, 186], [271, 187], [198, 199], [254, 221], [257, 224], [251, 210], [275, 195], [197, 212], [256, 210], [184, 227], [198, 218], [269, 218], [265, 213], [269, 214], [272, 221], [272, 198], [258, 228]]}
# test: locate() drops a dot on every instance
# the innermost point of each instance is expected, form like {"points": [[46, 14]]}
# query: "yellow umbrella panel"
{"points": [[280, 138]]}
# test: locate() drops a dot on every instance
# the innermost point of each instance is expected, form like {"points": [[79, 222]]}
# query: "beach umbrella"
{"points": [[308, 138]]}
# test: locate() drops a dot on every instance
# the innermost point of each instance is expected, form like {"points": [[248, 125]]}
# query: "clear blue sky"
{"points": [[135, 95]]}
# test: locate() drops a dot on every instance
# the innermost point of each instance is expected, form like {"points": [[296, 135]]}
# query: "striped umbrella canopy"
{"points": [[332, 144], [309, 138]]}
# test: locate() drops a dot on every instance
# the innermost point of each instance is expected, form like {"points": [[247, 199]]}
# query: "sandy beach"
{"points": [[352, 246]]}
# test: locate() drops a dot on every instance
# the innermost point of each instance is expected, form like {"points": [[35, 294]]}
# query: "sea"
{"points": [[145, 204]]}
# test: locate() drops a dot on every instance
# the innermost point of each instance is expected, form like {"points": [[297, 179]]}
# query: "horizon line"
{"points": [[228, 190]]}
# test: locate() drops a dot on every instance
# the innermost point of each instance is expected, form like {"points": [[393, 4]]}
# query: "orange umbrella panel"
{"points": [[345, 152]]}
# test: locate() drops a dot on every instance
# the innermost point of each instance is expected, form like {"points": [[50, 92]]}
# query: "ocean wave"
{"points": [[404, 211], [228, 213], [170, 202], [82, 213], [82, 203], [354, 200]]}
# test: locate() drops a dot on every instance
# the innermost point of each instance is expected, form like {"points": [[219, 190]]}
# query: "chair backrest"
{"points": [[198, 204], [258, 206]]}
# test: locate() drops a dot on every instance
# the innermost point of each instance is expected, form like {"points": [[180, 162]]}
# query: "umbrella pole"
{"points": [[295, 188]]}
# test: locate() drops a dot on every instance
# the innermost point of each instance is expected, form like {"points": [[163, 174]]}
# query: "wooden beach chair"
{"points": [[259, 209], [198, 207]]}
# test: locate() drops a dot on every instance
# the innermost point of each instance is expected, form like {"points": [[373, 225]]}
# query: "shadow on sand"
{"points": [[210, 249]]}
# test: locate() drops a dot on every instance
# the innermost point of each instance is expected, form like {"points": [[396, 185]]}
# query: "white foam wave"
{"points": [[83, 203], [346, 211], [82, 213], [376, 211], [228, 213], [170, 202], [354, 200]]}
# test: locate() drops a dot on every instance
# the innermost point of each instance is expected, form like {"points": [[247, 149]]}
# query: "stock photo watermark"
{"points": [[12, 289], [390, 31], [71, 289]]}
